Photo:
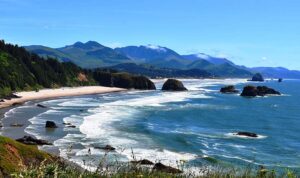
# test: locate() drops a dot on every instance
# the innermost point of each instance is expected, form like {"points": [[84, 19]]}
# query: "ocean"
{"points": [[173, 127]]}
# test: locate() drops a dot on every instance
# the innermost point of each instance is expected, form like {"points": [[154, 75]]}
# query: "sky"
{"points": [[248, 32]]}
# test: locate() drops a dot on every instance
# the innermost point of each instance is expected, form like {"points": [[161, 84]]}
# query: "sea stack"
{"points": [[173, 85], [229, 89], [252, 91], [50, 124], [258, 78]]}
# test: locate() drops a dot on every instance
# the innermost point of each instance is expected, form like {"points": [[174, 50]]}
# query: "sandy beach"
{"points": [[60, 92]]}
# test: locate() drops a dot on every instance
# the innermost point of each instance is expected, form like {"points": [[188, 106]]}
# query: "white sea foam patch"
{"points": [[13, 111], [75, 120], [156, 155], [100, 121]]}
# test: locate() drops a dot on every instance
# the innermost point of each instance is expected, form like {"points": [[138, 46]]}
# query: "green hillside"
{"points": [[15, 156], [21, 70], [87, 55]]}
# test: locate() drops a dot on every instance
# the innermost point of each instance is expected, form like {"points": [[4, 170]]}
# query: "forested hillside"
{"points": [[21, 70]]}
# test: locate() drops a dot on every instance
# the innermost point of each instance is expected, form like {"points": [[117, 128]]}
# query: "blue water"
{"points": [[173, 126]]}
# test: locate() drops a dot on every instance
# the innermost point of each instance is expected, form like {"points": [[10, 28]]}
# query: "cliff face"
{"points": [[15, 156]]}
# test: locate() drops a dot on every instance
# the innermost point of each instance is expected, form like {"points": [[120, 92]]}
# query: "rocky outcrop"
{"points": [[28, 140], [258, 78], [173, 85], [280, 80], [143, 162], [50, 124], [252, 91], [247, 134], [229, 89], [123, 80], [167, 169]]}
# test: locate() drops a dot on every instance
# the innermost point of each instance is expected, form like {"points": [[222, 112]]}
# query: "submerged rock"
{"points": [[41, 106], [258, 78], [16, 125], [167, 169], [107, 148], [252, 91], [50, 124], [143, 162], [173, 85], [28, 140], [229, 89], [247, 134]]}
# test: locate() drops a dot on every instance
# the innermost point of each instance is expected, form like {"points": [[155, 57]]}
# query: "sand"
{"points": [[60, 92]]}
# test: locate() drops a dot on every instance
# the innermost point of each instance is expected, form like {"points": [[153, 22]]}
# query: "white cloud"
{"points": [[156, 47], [114, 45], [202, 56]]}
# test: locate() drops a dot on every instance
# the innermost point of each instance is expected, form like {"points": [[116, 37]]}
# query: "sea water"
{"points": [[170, 127]]}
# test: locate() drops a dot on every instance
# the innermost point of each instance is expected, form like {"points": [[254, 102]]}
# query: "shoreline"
{"points": [[55, 93]]}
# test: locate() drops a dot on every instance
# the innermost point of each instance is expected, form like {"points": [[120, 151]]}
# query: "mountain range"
{"points": [[154, 61]]}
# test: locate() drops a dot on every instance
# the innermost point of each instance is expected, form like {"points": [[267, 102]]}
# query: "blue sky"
{"points": [[248, 32]]}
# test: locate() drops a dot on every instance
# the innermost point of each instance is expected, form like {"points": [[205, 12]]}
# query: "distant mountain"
{"points": [[155, 55], [277, 72], [154, 72], [93, 55], [211, 59], [87, 55]]}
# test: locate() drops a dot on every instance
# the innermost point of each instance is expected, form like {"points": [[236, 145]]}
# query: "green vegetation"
{"points": [[15, 156], [21, 70], [138, 171]]}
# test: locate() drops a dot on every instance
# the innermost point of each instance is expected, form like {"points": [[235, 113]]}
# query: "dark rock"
{"points": [[2, 100], [229, 89], [107, 148], [252, 91], [17, 103], [173, 85], [143, 162], [11, 96], [248, 134], [28, 140], [280, 80], [41, 106], [257, 78], [16, 125], [249, 91], [50, 124], [263, 90], [66, 123], [167, 169], [71, 126]]}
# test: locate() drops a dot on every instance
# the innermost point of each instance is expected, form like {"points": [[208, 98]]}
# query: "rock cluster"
{"points": [[28, 140], [252, 91]]}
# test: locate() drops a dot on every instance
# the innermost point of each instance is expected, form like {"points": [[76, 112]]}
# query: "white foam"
{"points": [[156, 155]]}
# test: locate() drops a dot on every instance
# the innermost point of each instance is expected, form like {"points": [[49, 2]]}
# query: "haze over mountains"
{"points": [[154, 61]]}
